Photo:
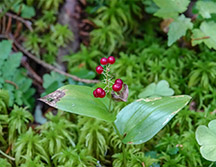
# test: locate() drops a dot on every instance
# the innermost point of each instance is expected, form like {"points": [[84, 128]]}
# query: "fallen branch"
{"points": [[31, 72], [48, 66], [25, 22]]}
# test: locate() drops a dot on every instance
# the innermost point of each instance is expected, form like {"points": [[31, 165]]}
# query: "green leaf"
{"points": [[178, 28], [83, 73], [150, 6], [52, 82], [205, 34], [206, 138], [173, 150], [80, 100], [4, 162], [27, 12], [17, 84], [5, 49], [49, 79], [170, 8], [206, 8], [10, 66], [157, 90], [139, 121]]}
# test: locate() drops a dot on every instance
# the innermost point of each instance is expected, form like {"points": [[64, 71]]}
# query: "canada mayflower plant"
{"points": [[136, 123]]}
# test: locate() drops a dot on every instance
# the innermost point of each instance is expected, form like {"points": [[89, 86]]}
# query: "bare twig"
{"points": [[8, 150], [18, 29], [48, 66], [84, 33], [9, 25], [3, 36], [3, 24], [27, 23], [31, 72], [207, 37], [83, 2], [86, 21], [12, 83]]}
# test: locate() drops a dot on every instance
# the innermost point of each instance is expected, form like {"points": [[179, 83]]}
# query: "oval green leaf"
{"points": [[79, 100], [206, 137], [139, 121]]}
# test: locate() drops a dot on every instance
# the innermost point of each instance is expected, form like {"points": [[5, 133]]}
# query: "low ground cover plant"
{"points": [[107, 83]]}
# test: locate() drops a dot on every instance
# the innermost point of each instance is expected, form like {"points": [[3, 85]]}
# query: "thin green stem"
{"points": [[9, 157], [110, 102], [107, 74], [116, 129], [107, 82], [123, 145], [211, 164], [124, 155]]}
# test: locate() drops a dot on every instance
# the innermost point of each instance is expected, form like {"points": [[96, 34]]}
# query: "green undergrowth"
{"points": [[131, 32], [13, 78], [68, 140]]}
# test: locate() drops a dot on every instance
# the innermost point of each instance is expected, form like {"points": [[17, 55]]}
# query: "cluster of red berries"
{"points": [[99, 92], [105, 61], [117, 86]]}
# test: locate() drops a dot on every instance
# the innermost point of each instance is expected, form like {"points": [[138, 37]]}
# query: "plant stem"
{"points": [[117, 131], [11, 158], [211, 164], [123, 145], [124, 155], [107, 82], [110, 104]]}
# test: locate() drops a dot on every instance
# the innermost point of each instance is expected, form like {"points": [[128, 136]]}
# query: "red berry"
{"points": [[111, 59], [104, 61], [118, 81], [99, 69], [117, 87], [103, 94], [95, 93], [99, 91]]}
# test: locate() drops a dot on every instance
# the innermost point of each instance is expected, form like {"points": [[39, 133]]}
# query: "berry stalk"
{"points": [[105, 69]]}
